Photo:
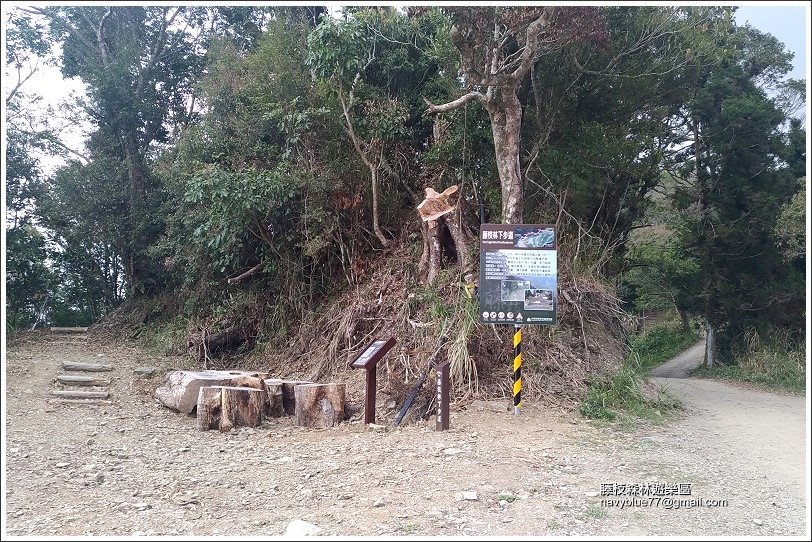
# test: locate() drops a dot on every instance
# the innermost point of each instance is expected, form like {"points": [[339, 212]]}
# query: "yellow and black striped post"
{"points": [[517, 369]]}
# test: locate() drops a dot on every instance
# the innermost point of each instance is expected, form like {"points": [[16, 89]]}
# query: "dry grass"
{"points": [[559, 359]]}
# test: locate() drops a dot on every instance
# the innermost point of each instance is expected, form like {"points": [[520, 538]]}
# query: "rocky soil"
{"points": [[136, 468]]}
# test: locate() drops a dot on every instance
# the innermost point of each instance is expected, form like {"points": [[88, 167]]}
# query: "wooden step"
{"points": [[80, 402], [68, 330], [77, 394], [81, 380], [87, 367]]}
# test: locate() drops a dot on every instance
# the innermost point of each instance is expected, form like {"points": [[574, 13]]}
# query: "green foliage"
{"points": [[621, 392], [661, 343], [661, 273], [219, 151], [29, 281], [620, 395], [776, 363], [790, 228]]}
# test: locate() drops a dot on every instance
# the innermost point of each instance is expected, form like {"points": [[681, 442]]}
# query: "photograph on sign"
{"points": [[534, 237], [518, 274]]}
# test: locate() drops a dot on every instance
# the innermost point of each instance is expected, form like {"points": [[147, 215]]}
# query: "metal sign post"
{"points": [[518, 285], [443, 396], [368, 359]]}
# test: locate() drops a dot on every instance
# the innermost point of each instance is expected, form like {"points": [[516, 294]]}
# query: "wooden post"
{"points": [[319, 405], [443, 396], [368, 360], [369, 394]]}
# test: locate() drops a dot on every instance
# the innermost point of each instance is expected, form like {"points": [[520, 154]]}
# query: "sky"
{"points": [[787, 21]]}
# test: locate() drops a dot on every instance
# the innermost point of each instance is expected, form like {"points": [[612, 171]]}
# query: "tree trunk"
{"points": [[423, 265], [434, 251], [319, 405], [435, 210], [460, 236], [685, 324], [506, 121], [710, 347], [376, 227]]}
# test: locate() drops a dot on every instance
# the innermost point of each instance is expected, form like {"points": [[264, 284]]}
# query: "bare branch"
{"points": [[21, 81], [247, 273], [450, 106], [531, 45]]}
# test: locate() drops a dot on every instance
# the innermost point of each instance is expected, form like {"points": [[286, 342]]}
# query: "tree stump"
{"points": [[319, 405], [441, 212], [288, 395], [226, 407], [209, 405], [180, 389], [274, 406]]}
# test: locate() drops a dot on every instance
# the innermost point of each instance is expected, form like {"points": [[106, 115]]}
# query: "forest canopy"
{"points": [[251, 165]]}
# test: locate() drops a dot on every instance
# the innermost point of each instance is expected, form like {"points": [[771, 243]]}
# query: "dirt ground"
{"points": [[136, 468]]}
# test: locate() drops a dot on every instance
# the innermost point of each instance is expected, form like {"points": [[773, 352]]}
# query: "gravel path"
{"points": [[137, 468], [678, 366]]}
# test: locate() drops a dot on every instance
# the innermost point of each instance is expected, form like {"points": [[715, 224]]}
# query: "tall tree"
{"points": [[137, 64], [734, 185]]}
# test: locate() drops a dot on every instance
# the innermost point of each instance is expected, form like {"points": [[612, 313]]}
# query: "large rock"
{"points": [[180, 389]]}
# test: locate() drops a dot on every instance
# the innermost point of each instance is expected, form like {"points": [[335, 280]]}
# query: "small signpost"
{"points": [[368, 359], [518, 282], [443, 396]]}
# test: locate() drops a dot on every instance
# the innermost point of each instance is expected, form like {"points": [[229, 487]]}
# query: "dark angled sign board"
{"points": [[368, 360], [518, 274], [372, 354]]}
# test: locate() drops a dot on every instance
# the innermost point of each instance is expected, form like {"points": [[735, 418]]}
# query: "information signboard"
{"points": [[518, 274], [372, 353]]}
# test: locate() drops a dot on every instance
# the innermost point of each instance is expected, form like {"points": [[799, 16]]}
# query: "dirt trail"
{"points": [[137, 468], [678, 366]]}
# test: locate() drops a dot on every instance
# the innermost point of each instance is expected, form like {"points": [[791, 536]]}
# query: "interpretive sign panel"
{"points": [[372, 354], [518, 274]]}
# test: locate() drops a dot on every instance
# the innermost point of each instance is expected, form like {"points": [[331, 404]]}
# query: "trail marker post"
{"points": [[443, 396]]}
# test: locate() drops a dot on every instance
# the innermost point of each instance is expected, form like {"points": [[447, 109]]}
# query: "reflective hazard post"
{"points": [[517, 369], [368, 359], [443, 396]]}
